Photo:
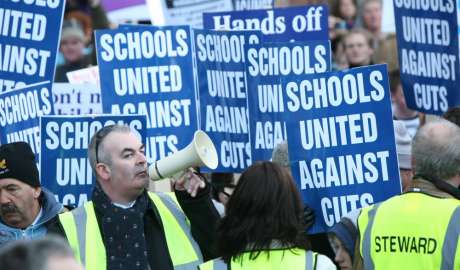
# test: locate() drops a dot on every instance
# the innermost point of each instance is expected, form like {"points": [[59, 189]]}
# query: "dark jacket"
{"points": [[203, 219], [61, 70]]}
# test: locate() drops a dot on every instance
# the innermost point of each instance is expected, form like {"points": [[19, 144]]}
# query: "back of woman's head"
{"points": [[265, 206]]}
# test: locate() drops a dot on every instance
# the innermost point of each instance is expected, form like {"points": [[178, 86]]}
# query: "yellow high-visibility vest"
{"points": [[411, 231], [282, 259], [82, 231]]}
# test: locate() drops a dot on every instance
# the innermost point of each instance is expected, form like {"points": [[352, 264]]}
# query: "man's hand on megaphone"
{"points": [[189, 181]]}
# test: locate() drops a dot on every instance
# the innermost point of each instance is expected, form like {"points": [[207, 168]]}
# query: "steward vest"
{"points": [[281, 259], [82, 231], [411, 231]]}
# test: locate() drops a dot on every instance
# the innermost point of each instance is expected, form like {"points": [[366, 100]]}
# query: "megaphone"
{"points": [[200, 152]]}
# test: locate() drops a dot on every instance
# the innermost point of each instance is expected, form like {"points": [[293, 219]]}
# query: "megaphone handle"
{"points": [[158, 171]]}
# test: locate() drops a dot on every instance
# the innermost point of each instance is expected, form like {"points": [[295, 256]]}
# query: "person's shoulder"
{"points": [[54, 226], [324, 263]]}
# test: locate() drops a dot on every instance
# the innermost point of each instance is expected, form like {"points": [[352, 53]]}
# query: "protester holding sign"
{"points": [[419, 229], [263, 227], [130, 228], [372, 18], [412, 119], [72, 47], [26, 209], [358, 48]]}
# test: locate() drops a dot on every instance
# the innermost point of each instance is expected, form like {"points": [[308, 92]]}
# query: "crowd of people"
{"points": [[355, 31], [263, 226], [255, 220]]}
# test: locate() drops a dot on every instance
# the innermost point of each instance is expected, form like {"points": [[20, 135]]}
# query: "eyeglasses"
{"points": [[99, 137]]}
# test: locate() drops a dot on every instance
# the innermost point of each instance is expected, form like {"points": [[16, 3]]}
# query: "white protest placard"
{"points": [[85, 75], [179, 12], [76, 99], [252, 4], [388, 17], [300, 23]]}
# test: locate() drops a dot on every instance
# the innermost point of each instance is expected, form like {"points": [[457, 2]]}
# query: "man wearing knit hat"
{"points": [[25, 207]]}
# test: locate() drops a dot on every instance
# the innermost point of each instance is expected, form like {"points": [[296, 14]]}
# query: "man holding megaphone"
{"points": [[126, 227]]}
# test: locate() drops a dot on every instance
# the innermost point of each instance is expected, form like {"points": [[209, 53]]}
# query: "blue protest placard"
{"points": [[265, 65], [64, 165], [252, 4], [341, 140], [428, 52], [29, 41], [302, 23], [20, 111], [222, 91], [148, 70]]}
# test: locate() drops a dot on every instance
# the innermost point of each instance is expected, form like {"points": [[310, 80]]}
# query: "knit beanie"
{"points": [[280, 154], [17, 161], [72, 28], [403, 144]]}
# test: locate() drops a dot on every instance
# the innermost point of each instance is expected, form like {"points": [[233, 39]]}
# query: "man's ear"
{"points": [[103, 171], [37, 192]]}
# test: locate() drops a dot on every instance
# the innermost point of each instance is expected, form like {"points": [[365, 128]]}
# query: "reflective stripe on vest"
{"points": [[366, 242], [219, 264], [81, 224], [449, 248], [432, 245], [191, 256]]}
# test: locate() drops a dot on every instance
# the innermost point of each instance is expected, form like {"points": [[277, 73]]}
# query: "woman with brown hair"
{"points": [[263, 226]]}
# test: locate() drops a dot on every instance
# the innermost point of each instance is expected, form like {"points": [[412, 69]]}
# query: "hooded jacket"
{"points": [[50, 208]]}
